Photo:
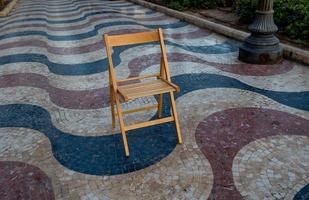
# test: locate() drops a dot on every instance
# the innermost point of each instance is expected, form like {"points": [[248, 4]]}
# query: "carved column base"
{"points": [[261, 49]]}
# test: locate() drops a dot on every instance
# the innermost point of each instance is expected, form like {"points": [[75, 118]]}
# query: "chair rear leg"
{"points": [[173, 105], [112, 102], [160, 105], [123, 133]]}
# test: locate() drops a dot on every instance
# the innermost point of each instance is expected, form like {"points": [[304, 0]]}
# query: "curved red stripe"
{"points": [[86, 99], [221, 135], [23, 181]]}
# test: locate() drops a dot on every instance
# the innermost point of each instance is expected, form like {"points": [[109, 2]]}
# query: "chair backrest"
{"points": [[135, 38]]}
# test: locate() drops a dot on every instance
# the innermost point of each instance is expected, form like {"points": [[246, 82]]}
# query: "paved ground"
{"points": [[245, 127]]}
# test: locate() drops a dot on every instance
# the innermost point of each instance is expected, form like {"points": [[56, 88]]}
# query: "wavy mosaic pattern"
{"points": [[94, 99], [14, 175], [68, 149], [226, 108], [302, 194], [220, 147]]}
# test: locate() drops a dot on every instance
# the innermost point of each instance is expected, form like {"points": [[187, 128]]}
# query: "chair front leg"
{"points": [[160, 105], [112, 102], [173, 105], [121, 123]]}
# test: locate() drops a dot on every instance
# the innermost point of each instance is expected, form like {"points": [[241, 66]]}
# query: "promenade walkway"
{"points": [[245, 127]]}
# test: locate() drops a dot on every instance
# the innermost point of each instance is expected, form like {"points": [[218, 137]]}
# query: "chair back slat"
{"points": [[133, 38]]}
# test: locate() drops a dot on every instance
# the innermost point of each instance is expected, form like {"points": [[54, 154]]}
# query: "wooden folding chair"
{"points": [[131, 91]]}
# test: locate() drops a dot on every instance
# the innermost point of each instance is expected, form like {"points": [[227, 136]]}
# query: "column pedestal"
{"points": [[262, 46]]}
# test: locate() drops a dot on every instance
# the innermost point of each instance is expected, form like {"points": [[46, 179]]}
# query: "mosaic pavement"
{"points": [[245, 127]]}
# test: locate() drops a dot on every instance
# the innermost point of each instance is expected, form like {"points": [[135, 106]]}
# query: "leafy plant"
{"points": [[176, 5], [2, 4], [245, 9], [185, 4], [292, 17]]}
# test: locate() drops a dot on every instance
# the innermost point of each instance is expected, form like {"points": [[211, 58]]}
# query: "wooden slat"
{"points": [[138, 78], [139, 109], [139, 85], [149, 123], [145, 87], [138, 90], [176, 87], [153, 92], [134, 38]]}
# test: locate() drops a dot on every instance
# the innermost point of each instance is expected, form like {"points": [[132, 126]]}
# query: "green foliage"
{"points": [[245, 9], [185, 4], [291, 16], [2, 4], [176, 5], [212, 3]]}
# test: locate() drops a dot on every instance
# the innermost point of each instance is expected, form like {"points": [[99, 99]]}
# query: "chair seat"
{"points": [[150, 88]]}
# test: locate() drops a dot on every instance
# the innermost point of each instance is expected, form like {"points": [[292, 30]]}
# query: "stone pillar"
{"points": [[262, 46]]}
